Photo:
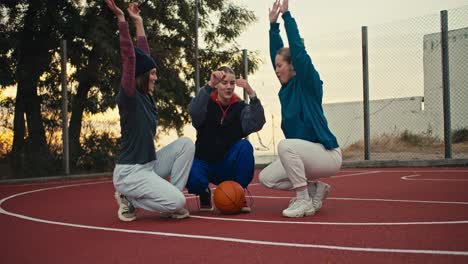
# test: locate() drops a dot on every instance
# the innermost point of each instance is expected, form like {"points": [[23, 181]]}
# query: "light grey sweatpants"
{"points": [[145, 185], [299, 161]]}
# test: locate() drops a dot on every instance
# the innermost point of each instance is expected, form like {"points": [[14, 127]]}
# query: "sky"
{"points": [[332, 34], [333, 28], [319, 17]]}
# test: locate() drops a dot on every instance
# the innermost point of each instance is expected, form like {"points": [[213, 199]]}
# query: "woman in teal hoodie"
{"points": [[310, 150]]}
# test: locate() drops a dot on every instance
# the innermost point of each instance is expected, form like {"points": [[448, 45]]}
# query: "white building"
{"points": [[417, 114]]}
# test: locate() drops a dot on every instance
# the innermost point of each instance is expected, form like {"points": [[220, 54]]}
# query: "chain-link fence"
{"points": [[458, 66], [406, 91], [405, 114], [338, 61], [407, 120]]}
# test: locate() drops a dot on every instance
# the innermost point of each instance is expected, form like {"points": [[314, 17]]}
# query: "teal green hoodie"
{"points": [[301, 98]]}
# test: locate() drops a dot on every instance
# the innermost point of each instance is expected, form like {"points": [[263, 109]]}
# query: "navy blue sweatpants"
{"points": [[238, 165]]}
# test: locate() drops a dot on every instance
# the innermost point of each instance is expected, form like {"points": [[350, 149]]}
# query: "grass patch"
{"points": [[404, 143], [418, 140], [460, 135]]}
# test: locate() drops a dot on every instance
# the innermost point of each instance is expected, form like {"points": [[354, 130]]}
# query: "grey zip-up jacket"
{"points": [[219, 127]]}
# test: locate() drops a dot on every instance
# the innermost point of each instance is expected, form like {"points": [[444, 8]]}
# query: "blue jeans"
{"points": [[238, 165]]}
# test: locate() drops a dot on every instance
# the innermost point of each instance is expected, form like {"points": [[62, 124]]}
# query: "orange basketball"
{"points": [[229, 197]]}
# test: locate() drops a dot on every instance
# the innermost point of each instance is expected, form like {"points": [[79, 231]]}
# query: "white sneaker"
{"points": [[318, 191], [312, 188], [127, 211], [245, 208], [181, 214], [299, 208]]}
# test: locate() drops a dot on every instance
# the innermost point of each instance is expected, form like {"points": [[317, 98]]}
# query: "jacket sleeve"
{"points": [[198, 106], [142, 43], [301, 60], [276, 43], [127, 54], [252, 117]]}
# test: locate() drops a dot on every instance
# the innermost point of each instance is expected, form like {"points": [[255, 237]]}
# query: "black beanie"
{"points": [[143, 62]]}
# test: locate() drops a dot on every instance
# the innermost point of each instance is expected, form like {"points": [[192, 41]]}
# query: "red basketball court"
{"points": [[405, 215]]}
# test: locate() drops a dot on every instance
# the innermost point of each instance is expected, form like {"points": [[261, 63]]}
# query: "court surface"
{"points": [[399, 215]]}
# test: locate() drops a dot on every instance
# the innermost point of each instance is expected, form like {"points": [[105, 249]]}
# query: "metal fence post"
{"points": [[65, 147], [197, 65], [245, 71], [365, 79], [245, 74], [446, 83]]}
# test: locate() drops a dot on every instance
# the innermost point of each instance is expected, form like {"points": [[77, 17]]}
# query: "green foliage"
{"points": [[31, 34], [99, 152], [93, 48], [460, 135]]}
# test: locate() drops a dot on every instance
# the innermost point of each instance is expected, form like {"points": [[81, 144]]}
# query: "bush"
{"points": [[99, 151], [460, 135], [6, 140]]}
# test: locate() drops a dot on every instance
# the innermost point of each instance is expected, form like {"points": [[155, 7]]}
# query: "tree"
{"points": [[171, 35], [33, 30]]}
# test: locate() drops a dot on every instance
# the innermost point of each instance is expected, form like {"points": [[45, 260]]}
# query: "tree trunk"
{"points": [[32, 156], [19, 128], [19, 133], [87, 79], [76, 120]]}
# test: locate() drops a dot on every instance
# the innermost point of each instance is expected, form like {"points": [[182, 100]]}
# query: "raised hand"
{"points": [[115, 9], [274, 11], [244, 84], [134, 12], [216, 77], [284, 6]]}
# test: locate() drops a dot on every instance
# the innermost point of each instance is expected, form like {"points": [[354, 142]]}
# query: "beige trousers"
{"points": [[300, 161]]}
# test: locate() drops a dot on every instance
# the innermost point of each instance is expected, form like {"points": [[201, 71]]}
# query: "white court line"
{"points": [[326, 223], [367, 199], [53, 181], [246, 241], [410, 170], [225, 239], [355, 174], [410, 178]]}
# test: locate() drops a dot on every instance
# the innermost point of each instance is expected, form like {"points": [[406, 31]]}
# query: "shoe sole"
{"points": [[246, 210], [301, 215], [173, 216], [125, 219], [168, 215], [187, 215], [119, 212]]}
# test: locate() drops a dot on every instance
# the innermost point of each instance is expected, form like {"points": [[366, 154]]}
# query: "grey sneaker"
{"points": [[181, 214], [299, 208], [318, 191], [127, 211]]}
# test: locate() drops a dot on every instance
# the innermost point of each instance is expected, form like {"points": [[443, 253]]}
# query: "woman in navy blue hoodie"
{"points": [[222, 120], [140, 170], [310, 150]]}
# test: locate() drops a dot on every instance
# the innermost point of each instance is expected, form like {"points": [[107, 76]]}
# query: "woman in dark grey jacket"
{"points": [[222, 120]]}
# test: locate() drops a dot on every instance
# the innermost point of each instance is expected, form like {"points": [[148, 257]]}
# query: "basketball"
{"points": [[229, 197]]}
